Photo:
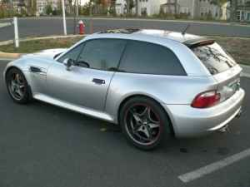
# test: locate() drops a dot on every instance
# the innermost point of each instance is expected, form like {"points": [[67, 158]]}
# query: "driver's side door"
{"points": [[82, 86]]}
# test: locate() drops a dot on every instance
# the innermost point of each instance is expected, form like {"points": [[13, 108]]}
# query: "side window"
{"points": [[73, 53], [148, 58], [102, 54]]}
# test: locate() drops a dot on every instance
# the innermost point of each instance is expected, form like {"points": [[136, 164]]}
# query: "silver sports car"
{"points": [[153, 83]]}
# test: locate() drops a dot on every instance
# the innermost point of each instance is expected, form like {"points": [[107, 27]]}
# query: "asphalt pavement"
{"points": [[45, 146], [44, 26]]}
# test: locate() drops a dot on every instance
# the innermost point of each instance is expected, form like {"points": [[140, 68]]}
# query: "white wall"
{"points": [[83, 2], [152, 6], [120, 5]]}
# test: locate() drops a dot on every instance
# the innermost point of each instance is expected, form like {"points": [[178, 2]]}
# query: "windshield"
{"points": [[214, 58]]}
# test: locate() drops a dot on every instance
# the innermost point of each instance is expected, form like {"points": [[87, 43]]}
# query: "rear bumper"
{"points": [[189, 122]]}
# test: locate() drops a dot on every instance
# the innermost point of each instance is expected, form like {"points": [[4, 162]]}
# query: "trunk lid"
{"points": [[228, 82]]}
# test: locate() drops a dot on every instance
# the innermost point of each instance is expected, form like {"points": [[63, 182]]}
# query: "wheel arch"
{"points": [[151, 98]]}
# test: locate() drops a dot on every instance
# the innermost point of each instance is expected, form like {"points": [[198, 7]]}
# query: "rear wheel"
{"points": [[17, 86], [144, 122]]}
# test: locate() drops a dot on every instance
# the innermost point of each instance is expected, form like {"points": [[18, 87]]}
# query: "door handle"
{"points": [[98, 81]]}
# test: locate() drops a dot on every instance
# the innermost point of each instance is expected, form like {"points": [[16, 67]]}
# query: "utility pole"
{"points": [[64, 18], [77, 8], [90, 17]]}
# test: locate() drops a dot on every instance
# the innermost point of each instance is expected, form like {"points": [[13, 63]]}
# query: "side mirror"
{"points": [[68, 63]]}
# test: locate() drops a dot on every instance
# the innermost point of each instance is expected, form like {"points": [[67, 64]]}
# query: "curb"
{"points": [[11, 56]]}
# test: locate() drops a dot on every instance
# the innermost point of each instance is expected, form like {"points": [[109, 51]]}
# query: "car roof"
{"points": [[152, 33], [179, 43]]}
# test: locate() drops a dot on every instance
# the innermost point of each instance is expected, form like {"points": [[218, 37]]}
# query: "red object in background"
{"points": [[81, 27]]}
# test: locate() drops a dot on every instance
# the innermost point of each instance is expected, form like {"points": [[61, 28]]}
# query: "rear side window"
{"points": [[214, 58], [148, 58]]}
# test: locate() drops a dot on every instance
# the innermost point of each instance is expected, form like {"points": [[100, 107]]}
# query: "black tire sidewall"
{"points": [[156, 108], [26, 96]]}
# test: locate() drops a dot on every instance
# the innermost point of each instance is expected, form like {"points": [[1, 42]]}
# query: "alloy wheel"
{"points": [[16, 86], [142, 124]]}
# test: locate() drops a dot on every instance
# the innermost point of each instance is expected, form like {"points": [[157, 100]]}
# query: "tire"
{"points": [[137, 130], [15, 80]]}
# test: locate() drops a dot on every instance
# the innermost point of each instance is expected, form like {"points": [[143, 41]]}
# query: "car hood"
{"points": [[41, 59], [49, 53]]}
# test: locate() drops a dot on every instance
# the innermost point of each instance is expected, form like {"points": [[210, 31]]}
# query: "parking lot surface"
{"points": [[45, 146]]}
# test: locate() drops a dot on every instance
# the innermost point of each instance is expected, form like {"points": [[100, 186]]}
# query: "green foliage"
{"points": [[164, 15], [207, 17], [85, 10], [24, 12], [48, 9], [31, 7], [219, 2], [112, 10], [130, 4], [5, 11]]}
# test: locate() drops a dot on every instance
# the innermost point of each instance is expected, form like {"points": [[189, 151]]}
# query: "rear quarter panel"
{"points": [[166, 90]]}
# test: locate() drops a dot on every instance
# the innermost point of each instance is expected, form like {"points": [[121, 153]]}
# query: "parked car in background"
{"points": [[153, 83]]}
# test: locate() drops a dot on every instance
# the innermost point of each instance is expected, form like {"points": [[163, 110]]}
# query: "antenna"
{"points": [[185, 30]]}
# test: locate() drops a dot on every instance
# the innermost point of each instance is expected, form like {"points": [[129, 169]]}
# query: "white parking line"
{"points": [[196, 174]]}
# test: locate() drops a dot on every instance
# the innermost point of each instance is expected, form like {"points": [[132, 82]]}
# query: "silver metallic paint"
{"points": [[75, 90]]}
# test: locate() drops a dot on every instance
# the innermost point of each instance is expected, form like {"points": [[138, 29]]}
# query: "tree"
{"points": [[31, 7], [112, 9], [175, 7], [129, 6], [234, 6], [219, 2], [137, 7], [48, 9], [85, 9]]}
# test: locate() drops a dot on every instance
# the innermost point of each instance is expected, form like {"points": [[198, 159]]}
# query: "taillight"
{"points": [[206, 99]]}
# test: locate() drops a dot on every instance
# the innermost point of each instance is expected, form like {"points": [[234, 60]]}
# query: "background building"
{"points": [[243, 10]]}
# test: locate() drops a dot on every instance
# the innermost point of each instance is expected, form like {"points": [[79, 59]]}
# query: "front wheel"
{"points": [[144, 122], [17, 86]]}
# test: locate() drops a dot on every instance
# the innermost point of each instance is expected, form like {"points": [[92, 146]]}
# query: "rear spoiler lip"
{"points": [[198, 42]]}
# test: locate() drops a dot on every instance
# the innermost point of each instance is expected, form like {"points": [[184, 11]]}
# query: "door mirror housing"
{"points": [[68, 63]]}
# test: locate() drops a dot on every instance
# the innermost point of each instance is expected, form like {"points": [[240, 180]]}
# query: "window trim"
{"points": [[151, 43]]}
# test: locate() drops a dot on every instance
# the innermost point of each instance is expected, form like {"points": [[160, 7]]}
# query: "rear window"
{"points": [[214, 58]]}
